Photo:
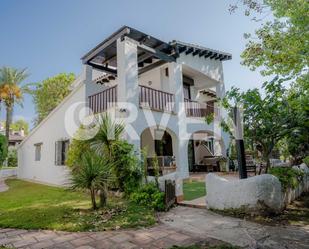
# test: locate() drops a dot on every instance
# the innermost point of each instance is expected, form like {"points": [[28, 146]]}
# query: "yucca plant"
{"points": [[93, 173], [108, 133]]}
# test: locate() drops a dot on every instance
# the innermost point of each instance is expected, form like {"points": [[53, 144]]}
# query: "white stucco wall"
{"points": [[251, 193], [254, 193], [47, 132]]}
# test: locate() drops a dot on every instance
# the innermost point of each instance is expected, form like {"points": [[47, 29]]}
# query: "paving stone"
{"points": [[24, 242], [81, 241], [103, 244], [85, 247], [101, 236], [120, 238], [128, 245], [64, 238], [42, 244], [16, 232], [178, 237]]}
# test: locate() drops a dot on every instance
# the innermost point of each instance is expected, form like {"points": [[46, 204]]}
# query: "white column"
{"points": [[128, 89], [181, 151], [127, 72]]}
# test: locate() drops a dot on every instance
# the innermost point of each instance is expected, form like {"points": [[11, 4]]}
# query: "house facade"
{"points": [[161, 91]]}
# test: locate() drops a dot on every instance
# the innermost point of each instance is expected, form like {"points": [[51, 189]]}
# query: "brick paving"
{"points": [[160, 236]]}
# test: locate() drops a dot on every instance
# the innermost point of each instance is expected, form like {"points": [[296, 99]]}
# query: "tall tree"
{"points": [[279, 47], [267, 119], [11, 91], [50, 92]]}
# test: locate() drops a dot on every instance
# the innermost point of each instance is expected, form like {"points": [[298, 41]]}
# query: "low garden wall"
{"points": [[259, 193], [8, 172]]}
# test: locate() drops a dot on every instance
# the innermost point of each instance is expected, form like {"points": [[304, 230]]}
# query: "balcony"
{"points": [[197, 109], [156, 100], [153, 99], [104, 100]]}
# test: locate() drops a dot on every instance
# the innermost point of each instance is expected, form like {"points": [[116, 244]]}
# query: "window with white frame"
{"points": [[37, 151], [61, 151]]}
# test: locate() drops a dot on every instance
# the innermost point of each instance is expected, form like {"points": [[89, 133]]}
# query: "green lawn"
{"points": [[193, 190], [34, 206]]}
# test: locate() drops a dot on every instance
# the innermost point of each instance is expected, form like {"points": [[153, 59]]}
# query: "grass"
{"points": [[33, 206], [193, 190]]}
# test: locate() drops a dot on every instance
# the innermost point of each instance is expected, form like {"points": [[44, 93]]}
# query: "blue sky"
{"points": [[49, 37]]}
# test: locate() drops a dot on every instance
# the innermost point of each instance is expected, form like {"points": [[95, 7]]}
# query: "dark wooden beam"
{"points": [[209, 53], [197, 51], [103, 68], [213, 56], [202, 53], [182, 49], [151, 66], [218, 57], [113, 38], [148, 60], [190, 50]]}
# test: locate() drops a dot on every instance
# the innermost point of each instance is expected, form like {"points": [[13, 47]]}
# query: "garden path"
{"points": [[180, 226]]}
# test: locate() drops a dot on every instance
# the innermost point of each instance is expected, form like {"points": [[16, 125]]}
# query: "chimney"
{"points": [[22, 132]]}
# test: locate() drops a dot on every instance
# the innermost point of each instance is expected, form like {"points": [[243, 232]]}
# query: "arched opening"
{"points": [[204, 152], [159, 145]]}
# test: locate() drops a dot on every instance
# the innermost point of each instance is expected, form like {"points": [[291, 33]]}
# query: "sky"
{"points": [[50, 36]]}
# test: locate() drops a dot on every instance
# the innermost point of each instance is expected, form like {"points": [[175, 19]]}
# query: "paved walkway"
{"points": [[205, 223], [181, 226], [197, 203]]}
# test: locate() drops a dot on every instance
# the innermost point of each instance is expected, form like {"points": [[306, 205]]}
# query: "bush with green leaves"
{"points": [[306, 160], [3, 149], [289, 177], [127, 169], [12, 158], [149, 195]]}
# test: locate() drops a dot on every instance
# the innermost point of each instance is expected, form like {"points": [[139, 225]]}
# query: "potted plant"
{"points": [[222, 163]]}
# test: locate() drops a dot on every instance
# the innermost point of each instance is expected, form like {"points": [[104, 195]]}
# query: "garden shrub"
{"points": [[127, 169], [149, 195], [76, 149], [12, 158], [306, 160], [288, 177], [3, 149]]}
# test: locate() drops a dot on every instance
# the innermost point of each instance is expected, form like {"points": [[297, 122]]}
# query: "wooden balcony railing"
{"points": [[104, 100], [155, 99], [196, 109]]}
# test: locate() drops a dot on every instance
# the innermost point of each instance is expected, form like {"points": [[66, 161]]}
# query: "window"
{"points": [[37, 151], [61, 151], [166, 72]]}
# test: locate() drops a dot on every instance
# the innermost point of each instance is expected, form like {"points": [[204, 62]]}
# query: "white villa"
{"points": [[162, 91]]}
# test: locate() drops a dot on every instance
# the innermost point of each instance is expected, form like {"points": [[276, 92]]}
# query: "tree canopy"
{"points": [[279, 47], [20, 124], [50, 92]]}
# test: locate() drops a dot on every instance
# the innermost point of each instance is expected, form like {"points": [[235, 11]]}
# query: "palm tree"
{"points": [[108, 134], [11, 91], [92, 173]]}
